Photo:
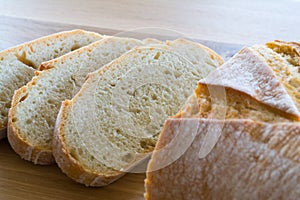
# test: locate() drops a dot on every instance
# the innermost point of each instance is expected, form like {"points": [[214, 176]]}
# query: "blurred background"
{"points": [[232, 21]]}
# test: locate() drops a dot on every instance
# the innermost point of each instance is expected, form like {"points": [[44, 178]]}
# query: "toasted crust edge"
{"points": [[69, 165]]}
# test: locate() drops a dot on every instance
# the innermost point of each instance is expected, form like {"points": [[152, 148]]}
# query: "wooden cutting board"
{"points": [[20, 179]]}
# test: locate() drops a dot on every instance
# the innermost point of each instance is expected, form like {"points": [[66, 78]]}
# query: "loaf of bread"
{"points": [[113, 122], [237, 137], [17, 64], [36, 105]]}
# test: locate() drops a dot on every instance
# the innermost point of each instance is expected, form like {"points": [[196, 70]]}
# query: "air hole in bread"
{"points": [[92, 158], [112, 84], [154, 97], [14, 119], [23, 97], [51, 101], [147, 144], [22, 58], [75, 46], [156, 57]]}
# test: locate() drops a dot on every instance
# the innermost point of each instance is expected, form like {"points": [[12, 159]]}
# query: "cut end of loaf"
{"points": [[234, 105]]}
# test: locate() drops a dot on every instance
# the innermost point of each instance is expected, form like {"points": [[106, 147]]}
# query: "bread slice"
{"points": [[252, 160], [36, 105], [241, 132], [113, 122], [17, 64]]}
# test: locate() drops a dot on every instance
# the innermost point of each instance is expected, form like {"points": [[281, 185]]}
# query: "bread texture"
{"points": [[36, 105], [238, 134], [17, 64], [113, 122]]}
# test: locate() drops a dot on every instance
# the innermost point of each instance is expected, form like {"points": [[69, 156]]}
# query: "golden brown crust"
{"points": [[19, 144], [68, 164], [290, 47]]}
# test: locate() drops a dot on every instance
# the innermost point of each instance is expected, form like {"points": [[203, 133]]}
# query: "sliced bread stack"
{"points": [[36, 105], [113, 122], [17, 64], [238, 136]]}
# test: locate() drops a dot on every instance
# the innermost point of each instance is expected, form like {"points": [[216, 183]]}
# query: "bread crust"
{"points": [[251, 160], [68, 164]]}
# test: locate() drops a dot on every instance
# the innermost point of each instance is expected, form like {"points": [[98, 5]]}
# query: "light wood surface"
{"points": [[213, 23], [20, 179], [232, 21]]}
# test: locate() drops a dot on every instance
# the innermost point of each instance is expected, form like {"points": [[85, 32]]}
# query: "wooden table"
{"points": [[218, 24]]}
